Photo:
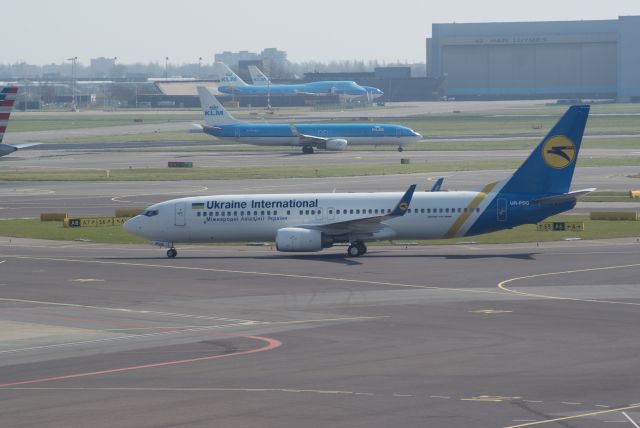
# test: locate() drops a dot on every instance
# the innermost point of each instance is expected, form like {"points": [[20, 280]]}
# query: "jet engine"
{"points": [[300, 239], [336, 144]]}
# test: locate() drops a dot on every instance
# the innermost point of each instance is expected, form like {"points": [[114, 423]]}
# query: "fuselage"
{"points": [[284, 134], [344, 88], [431, 215]]}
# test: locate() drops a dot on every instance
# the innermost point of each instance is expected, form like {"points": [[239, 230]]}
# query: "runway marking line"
{"points": [[578, 416], [273, 274], [502, 285], [270, 345]]}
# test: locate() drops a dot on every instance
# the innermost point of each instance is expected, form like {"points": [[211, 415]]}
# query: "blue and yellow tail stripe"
{"points": [[462, 218]]}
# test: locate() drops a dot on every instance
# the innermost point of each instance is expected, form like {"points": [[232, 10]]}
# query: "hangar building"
{"points": [[562, 59]]}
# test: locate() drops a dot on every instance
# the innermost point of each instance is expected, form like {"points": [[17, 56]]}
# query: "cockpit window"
{"points": [[150, 213]]}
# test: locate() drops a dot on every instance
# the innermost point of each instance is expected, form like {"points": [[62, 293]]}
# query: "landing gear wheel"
{"points": [[357, 249], [307, 150], [400, 149], [172, 253]]}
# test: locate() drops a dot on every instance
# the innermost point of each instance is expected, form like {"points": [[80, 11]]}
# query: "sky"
{"points": [[49, 31]]}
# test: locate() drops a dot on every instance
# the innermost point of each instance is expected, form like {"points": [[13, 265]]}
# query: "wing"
{"points": [[366, 225], [307, 139]]}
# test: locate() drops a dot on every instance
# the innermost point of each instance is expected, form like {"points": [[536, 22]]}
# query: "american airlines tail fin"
{"points": [[214, 113], [549, 168], [226, 76], [258, 77], [8, 96]]}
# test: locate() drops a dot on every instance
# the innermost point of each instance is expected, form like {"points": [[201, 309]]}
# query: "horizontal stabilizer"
{"points": [[550, 200]]}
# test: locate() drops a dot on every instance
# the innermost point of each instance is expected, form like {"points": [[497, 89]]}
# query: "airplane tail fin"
{"points": [[214, 113], [226, 76], [258, 77], [8, 96], [549, 168]]}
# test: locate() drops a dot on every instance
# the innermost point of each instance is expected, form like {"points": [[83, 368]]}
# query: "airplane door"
{"points": [[180, 213], [319, 214], [502, 210], [331, 213]]}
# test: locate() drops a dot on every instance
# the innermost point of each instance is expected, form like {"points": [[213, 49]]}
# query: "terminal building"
{"points": [[563, 59]]}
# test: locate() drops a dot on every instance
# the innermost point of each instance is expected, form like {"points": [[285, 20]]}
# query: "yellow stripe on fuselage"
{"points": [[472, 206]]}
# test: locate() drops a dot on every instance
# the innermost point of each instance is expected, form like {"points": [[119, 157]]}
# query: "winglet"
{"points": [[403, 205]]}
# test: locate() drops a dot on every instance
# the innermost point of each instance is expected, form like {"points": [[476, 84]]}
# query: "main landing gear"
{"points": [[307, 150], [356, 249], [172, 253], [400, 149]]}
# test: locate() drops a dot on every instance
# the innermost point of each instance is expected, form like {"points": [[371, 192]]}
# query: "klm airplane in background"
{"points": [[334, 136], [230, 83], [259, 78], [308, 222]]}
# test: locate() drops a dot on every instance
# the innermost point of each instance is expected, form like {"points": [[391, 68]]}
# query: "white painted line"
{"points": [[570, 403], [2, 261], [440, 396], [402, 395], [602, 405], [630, 420], [532, 401]]}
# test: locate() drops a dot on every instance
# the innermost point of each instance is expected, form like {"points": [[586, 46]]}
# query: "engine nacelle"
{"points": [[336, 144], [300, 239]]}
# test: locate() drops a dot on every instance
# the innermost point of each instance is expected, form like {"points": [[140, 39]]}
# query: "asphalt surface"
{"points": [[451, 336], [29, 199], [154, 157]]}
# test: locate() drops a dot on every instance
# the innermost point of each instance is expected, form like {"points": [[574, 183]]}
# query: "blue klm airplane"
{"points": [[334, 136], [230, 83], [259, 78]]}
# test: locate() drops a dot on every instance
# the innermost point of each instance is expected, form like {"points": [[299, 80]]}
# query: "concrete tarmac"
{"points": [[227, 336]]}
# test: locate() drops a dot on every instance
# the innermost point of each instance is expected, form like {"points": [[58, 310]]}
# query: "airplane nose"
{"points": [[130, 225]]}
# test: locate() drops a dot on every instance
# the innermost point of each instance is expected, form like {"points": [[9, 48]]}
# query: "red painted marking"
{"points": [[271, 344], [7, 103], [4, 116], [10, 90], [2, 129]]}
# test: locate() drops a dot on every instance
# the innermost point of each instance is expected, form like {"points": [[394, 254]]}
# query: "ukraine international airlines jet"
{"points": [[311, 222]]}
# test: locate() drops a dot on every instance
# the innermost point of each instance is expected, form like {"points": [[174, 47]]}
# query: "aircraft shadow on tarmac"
{"points": [[341, 258]]}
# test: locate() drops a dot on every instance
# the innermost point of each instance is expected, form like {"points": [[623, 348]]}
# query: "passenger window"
{"points": [[357, 211], [269, 212], [428, 210], [440, 210], [222, 213], [275, 213], [376, 211], [301, 212], [288, 212], [261, 212], [422, 210], [350, 211], [330, 211], [306, 212], [235, 213], [465, 210], [313, 212]]}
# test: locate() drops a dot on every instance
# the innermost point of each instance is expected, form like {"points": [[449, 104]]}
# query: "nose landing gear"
{"points": [[172, 253]]}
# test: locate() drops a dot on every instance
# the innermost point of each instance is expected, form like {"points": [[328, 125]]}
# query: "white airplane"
{"points": [[8, 96], [313, 221]]}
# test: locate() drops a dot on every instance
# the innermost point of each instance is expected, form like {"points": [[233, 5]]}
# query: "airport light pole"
{"points": [[73, 80], [200, 68], [166, 64]]}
